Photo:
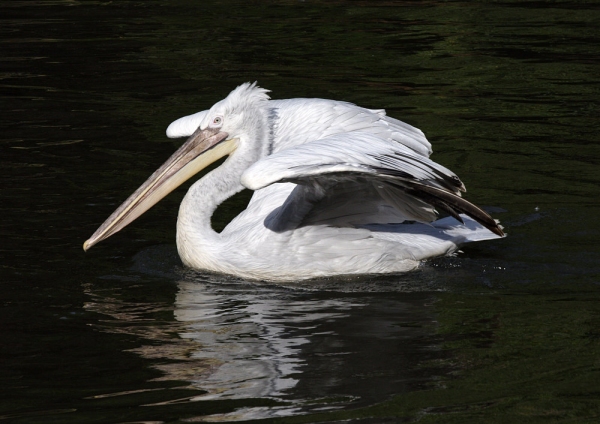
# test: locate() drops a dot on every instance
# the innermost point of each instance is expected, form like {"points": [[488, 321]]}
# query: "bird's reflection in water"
{"points": [[307, 346], [256, 338]]}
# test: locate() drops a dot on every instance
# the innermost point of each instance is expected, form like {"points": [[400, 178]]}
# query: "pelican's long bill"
{"points": [[200, 150]]}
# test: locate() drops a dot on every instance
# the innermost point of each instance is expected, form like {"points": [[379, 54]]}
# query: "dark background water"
{"points": [[508, 331]]}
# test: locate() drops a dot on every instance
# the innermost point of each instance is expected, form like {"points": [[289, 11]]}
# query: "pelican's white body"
{"points": [[319, 208]]}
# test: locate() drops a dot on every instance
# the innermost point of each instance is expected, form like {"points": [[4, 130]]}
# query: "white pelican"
{"points": [[338, 189]]}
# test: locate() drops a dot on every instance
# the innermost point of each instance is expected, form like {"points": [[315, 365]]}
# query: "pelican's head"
{"points": [[234, 123]]}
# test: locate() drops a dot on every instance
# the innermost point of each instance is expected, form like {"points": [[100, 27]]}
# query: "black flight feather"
{"points": [[450, 203]]}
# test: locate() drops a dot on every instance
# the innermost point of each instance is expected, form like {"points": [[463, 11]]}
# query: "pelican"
{"points": [[338, 190]]}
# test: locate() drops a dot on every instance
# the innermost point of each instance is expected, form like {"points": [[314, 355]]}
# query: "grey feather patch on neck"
{"points": [[272, 119]]}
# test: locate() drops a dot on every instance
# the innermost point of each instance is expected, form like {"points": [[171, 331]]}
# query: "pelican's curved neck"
{"points": [[195, 237], [198, 244]]}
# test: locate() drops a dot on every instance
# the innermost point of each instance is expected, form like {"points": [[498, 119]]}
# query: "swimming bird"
{"points": [[338, 189]]}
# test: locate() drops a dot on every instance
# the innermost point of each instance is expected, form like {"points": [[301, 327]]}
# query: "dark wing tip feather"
{"points": [[442, 176], [453, 204]]}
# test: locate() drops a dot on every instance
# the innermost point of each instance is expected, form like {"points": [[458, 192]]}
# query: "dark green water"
{"points": [[509, 331]]}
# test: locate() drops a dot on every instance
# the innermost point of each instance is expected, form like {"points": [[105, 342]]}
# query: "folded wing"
{"points": [[359, 179]]}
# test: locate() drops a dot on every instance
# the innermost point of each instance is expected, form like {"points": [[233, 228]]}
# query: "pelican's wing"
{"points": [[305, 120], [361, 178]]}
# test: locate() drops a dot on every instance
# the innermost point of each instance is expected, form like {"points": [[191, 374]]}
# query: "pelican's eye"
{"points": [[216, 122]]}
